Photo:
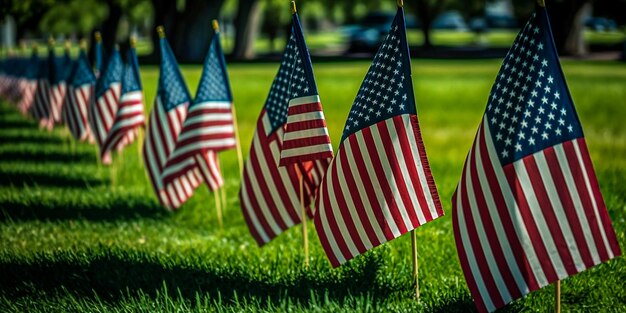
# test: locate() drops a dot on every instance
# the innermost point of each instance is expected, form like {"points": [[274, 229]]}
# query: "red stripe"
{"points": [[332, 222], [568, 205], [355, 151], [195, 111], [304, 125], [319, 227], [293, 174], [370, 147], [304, 158], [305, 142], [305, 108]]}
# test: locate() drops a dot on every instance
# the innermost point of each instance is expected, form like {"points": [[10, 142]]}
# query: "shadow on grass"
{"points": [[38, 156], [19, 179], [29, 138], [116, 275], [18, 123], [123, 208]]}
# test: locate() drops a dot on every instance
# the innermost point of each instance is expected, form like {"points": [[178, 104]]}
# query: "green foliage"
{"points": [[75, 16], [82, 237]]}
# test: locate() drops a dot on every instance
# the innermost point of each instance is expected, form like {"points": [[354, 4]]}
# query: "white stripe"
{"points": [[285, 180], [176, 167], [207, 130], [390, 175], [578, 206], [204, 144], [557, 206], [513, 209], [362, 193], [598, 217], [132, 96], [205, 118], [306, 116], [159, 150], [304, 100], [208, 176], [378, 192], [210, 105], [413, 191], [287, 153], [130, 109], [306, 133]]}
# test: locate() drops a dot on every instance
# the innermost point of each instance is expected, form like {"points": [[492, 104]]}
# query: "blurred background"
{"points": [[257, 29]]}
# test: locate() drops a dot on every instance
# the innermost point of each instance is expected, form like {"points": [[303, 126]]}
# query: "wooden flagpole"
{"points": [[400, 4], [223, 194], [216, 28], [557, 297], [415, 264], [305, 233], [218, 208]]}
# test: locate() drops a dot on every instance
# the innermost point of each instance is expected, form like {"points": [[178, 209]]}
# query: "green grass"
{"points": [[78, 236]]}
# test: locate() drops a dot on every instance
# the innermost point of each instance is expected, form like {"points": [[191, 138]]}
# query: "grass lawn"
{"points": [[78, 236]]}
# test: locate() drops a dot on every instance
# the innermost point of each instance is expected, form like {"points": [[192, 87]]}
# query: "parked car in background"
{"points": [[367, 35], [600, 24], [452, 20]]}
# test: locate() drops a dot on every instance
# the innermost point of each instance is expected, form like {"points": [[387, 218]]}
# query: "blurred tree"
{"points": [[188, 26], [246, 28]]}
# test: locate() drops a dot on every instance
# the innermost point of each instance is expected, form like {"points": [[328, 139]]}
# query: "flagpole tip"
{"points": [[216, 25], [400, 3], [67, 45], [132, 41], [161, 31], [541, 3], [50, 42], [293, 7], [97, 36]]}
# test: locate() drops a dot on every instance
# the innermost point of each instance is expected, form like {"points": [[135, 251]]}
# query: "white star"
{"points": [[544, 100], [540, 46], [544, 62], [558, 131], [531, 141], [557, 95], [507, 141], [561, 121], [518, 147], [544, 135], [570, 128], [551, 116], [505, 153], [550, 79], [499, 136], [548, 125]]}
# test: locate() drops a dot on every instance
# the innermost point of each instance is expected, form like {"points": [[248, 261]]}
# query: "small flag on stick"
{"points": [[379, 185], [528, 210], [79, 97]]}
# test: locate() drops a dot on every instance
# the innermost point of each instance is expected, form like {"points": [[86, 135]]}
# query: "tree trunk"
{"points": [[246, 24], [110, 25], [567, 21], [426, 12]]}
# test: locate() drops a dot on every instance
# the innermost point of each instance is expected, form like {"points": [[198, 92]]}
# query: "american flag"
{"points": [[29, 82], [269, 194], [306, 136], [98, 63], [379, 185], [166, 120], [40, 109], [208, 127], [58, 86], [79, 96], [129, 116], [528, 210], [102, 112]]}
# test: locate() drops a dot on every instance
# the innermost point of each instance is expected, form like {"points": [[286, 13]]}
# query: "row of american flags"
{"points": [[527, 210]]}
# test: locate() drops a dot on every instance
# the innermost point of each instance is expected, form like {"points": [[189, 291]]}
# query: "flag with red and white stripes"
{"points": [[270, 194], [208, 127], [40, 110], [166, 121], [129, 116], [58, 70], [379, 185], [79, 96], [103, 110], [29, 83], [306, 136], [528, 210]]}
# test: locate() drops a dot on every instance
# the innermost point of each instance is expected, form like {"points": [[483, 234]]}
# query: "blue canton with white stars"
{"points": [[294, 79], [530, 108], [387, 89], [32, 67], [82, 72], [214, 84], [112, 74], [131, 80], [172, 88]]}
